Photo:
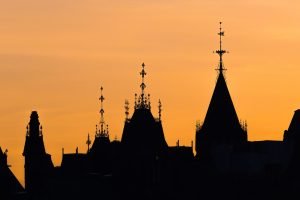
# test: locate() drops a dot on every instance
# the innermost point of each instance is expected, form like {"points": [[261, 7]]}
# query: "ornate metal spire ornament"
{"points": [[126, 110], [159, 109], [101, 132], [220, 52], [88, 142], [143, 102], [143, 85], [135, 101]]}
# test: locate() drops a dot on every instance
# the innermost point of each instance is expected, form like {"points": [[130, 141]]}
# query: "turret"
{"points": [[221, 125], [100, 152], [38, 164], [143, 134]]}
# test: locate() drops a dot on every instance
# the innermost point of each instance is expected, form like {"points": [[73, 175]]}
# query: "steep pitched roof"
{"points": [[294, 125], [9, 185], [143, 133], [221, 112], [292, 134], [221, 119]]}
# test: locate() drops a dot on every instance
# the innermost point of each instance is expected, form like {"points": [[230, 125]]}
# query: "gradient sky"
{"points": [[55, 55]]}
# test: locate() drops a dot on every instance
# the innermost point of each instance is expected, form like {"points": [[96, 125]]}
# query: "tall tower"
{"points": [[221, 125], [38, 164], [100, 152], [143, 134]]}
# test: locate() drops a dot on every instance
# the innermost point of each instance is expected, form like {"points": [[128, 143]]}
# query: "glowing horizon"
{"points": [[56, 55]]}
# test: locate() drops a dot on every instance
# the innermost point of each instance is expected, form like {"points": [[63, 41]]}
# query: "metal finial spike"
{"points": [[88, 142], [107, 132], [126, 109], [135, 101], [102, 122], [143, 85], [149, 103], [220, 52], [96, 132], [159, 109]]}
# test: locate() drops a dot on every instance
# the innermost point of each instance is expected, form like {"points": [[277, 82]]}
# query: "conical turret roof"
{"points": [[221, 114], [221, 124]]}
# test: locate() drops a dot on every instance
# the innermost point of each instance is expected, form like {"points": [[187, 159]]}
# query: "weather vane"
{"points": [[220, 52]]}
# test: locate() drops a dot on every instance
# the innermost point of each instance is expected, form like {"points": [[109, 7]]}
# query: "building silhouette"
{"points": [[221, 127], [143, 166]]}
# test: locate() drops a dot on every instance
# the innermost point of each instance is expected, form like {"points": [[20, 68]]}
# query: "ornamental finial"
{"points": [[143, 102], [102, 122], [126, 110], [220, 52], [88, 142], [143, 85], [102, 132], [159, 109]]}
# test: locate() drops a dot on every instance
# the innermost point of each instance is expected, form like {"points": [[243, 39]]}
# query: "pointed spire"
{"points": [[126, 110], [101, 111], [220, 52], [143, 102], [88, 142], [159, 109], [101, 132], [143, 85]]}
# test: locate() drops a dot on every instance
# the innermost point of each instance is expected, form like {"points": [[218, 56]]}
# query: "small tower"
{"points": [[99, 154], [38, 164], [143, 144], [143, 133], [221, 126]]}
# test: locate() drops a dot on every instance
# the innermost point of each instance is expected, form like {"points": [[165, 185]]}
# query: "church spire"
{"points": [[101, 132], [220, 52]]}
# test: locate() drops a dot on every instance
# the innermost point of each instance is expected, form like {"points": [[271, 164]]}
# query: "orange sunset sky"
{"points": [[55, 55]]}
